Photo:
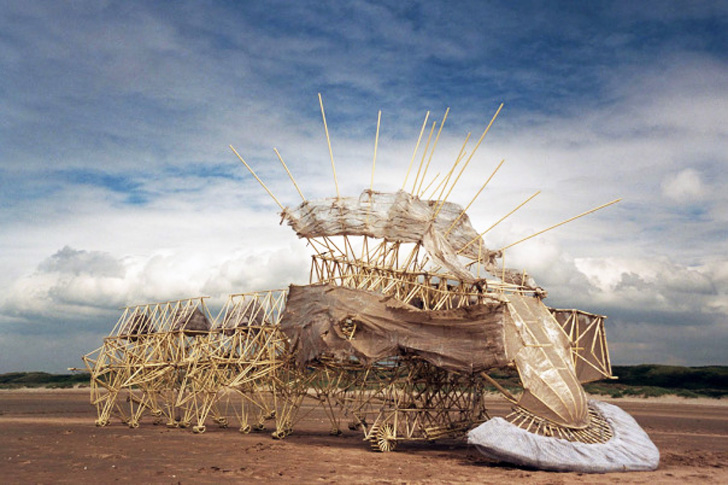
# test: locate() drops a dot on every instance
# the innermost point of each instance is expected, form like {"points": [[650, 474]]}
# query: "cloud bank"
{"points": [[117, 186]]}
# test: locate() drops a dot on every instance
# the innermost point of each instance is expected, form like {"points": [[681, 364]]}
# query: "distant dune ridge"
{"points": [[646, 380]]}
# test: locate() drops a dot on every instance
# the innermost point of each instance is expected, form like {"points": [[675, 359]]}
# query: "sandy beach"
{"points": [[48, 436]]}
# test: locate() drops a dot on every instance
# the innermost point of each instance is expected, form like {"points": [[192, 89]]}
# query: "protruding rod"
{"points": [[417, 147], [503, 260], [374, 164], [424, 154], [376, 143], [473, 200], [437, 138], [460, 156], [256, 177], [480, 255], [328, 140], [497, 222], [465, 165], [561, 223], [434, 191], [428, 185], [290, 175], [502, 389]]}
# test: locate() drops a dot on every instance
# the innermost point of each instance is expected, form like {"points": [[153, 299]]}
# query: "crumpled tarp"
{"points": [[400, 217], [630, 449], [342, 322]]}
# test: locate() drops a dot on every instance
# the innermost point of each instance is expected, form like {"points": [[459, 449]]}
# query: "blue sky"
{"points": [[117, 186]]}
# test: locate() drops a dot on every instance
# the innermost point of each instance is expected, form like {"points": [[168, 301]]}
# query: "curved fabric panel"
{"points": [[328, 320], [543, 359]]}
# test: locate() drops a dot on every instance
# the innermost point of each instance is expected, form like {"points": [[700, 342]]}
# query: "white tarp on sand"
{"points": [[630, 449]]}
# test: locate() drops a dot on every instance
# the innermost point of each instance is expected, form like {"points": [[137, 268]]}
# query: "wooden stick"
{"points": [[434, 191], [437, 138], [376, 143], [465, 165], [328, 140], [480, 255], [498, 222], [289, 174], [429, 185], [331, 242], [417, 146], [364, 246], [256, 177], [562, 223], [503, 261], [452, 169], [473, 200], [502, 389], [374, 164], [424, 154]]}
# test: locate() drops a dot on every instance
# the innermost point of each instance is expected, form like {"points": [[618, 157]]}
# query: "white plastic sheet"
{"points": [[630, 449]]}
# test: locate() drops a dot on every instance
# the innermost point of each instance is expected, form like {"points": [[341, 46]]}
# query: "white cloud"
{"points": [[650, 284], [684, 186], [61, 289]]}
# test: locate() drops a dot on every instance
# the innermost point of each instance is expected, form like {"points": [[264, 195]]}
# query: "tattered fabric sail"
{"points": [[396, 217], [340, 322]]}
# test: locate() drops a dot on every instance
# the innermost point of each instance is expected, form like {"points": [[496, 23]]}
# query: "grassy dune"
{"points": [[17, 380], [647, 380]]}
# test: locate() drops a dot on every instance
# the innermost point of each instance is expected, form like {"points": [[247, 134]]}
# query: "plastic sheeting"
{"points": [[344, 322], [395, 217], [630, 449], [542, 354], [328, 320]]}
